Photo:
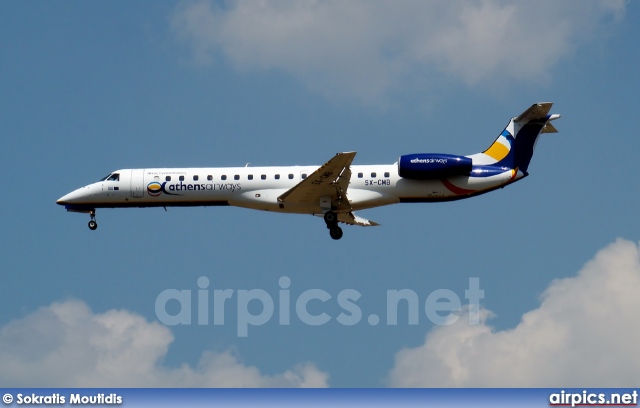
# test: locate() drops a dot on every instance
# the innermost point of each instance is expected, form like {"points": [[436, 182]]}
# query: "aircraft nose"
{"points": [[64, 199], [74, 197]]}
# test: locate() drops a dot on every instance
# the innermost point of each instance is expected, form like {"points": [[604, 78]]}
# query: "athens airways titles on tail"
{"points": [[334, 190]]}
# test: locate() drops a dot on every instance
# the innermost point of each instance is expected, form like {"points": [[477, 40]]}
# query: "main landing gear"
{"points": [[331, 219], [93, 224]]}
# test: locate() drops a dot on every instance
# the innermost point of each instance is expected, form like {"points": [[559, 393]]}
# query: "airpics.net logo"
{"points": [[590, 398], [312, 307]]}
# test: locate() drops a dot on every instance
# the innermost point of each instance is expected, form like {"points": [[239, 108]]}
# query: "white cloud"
{"points": [[67, 345], [585, 333], [363, 49]]}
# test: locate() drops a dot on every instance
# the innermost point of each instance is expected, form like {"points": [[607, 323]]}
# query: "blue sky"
{"points": [[88, 88]]}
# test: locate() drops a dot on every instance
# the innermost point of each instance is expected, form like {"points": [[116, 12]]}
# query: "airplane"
{"points": [[334, 190]]}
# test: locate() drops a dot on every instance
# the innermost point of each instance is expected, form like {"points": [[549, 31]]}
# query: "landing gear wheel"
{"points": [[93, 224], [335, 232], [330, 217]]}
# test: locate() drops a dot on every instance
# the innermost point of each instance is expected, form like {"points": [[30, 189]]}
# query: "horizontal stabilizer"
{"points": [[535, 112], [549, 128]]}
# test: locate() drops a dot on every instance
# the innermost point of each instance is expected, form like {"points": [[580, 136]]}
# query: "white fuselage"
{"points": [[259, 188]]}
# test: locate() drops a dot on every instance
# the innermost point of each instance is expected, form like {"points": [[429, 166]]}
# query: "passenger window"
{"points": [[195, 178], [303, 175], [263, 177], [386, 174], [290, 176], [209, 177], [359, 175], [373, 174], [181, 178], [224, 177], [277, 177], [236, 177], [250, 176], [168, 178]]}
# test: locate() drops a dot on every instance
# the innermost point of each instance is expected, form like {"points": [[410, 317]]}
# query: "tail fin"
{"points": [[515, 145]]}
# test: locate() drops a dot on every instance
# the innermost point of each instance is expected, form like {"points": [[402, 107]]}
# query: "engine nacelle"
{"points": [[425, 166]]}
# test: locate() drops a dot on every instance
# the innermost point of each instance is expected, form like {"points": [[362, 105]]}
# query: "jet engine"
{"points": [[427, 166]]}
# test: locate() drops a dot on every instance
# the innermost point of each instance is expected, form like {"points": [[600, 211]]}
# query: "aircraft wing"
{"points": [[330, 180], [352, 219]]}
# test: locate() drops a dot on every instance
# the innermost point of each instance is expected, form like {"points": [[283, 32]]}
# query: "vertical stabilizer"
{"points": [[515, 145]]}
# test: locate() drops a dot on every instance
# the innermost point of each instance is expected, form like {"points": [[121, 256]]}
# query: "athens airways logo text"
{"points": [[154, 189]]}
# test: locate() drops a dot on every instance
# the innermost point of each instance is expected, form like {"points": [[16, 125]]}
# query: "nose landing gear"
{"points": [[331, 219], [93, 224], [85, 210]]}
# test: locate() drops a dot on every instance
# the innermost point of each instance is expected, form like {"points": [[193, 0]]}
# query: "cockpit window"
{"points": [[111, 177]]}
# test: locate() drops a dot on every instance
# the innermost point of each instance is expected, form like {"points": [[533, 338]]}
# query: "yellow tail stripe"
{"points": [[497, 151]]}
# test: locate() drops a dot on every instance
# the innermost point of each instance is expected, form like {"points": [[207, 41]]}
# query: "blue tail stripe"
{"points": [[524, 143]]}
